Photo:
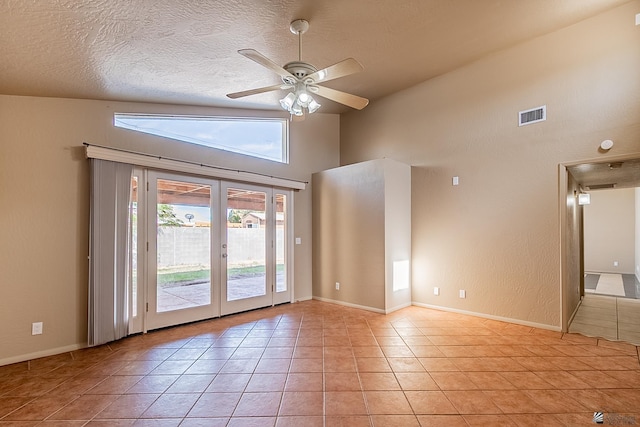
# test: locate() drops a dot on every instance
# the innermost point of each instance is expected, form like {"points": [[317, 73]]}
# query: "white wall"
{"points": [[610, 231], [44, 205]]}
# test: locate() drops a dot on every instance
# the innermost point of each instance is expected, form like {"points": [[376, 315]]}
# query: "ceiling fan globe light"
{"points": [[313, 106], [304, 98], [296, 109], [288, 101]]}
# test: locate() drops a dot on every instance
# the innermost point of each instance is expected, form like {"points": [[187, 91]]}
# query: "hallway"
{"points": [[608, 317]]}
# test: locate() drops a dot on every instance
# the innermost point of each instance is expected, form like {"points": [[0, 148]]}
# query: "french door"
{"points": [[214, 248], [254, 246], [183, 213]]}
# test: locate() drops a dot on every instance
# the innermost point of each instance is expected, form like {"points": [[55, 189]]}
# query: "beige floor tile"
{"points": [[32, 409], [302, 403], [314, 364], [416, 381], [453, 381], [258, 404], [379, 381], [300, 420], [344, 403], [430, 402], [304, 381], [130, 406], [442, 420], [513, 402], [341, 381], [472, 402], [387, 402], [215, 405]]}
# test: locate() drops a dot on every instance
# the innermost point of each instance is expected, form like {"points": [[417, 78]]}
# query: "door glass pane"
{"points": [[281, 233], [246, 249], [184, 245]]}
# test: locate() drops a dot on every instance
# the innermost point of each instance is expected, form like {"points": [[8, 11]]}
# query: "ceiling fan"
{"points": [[303, 79]]}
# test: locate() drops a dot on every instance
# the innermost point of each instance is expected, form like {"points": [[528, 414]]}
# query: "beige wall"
{"points": [[348, 240], [497, 234], [637, 258], [609, 231], [44, 206], [361, 226]]}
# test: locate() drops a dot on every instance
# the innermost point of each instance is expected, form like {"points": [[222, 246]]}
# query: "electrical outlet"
{"points": [[463, 293], [36, 328], [436, 291], [615, 263], [337, 286]]}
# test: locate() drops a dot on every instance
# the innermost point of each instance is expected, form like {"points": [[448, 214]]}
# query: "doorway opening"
{"points": [[600, 237]]}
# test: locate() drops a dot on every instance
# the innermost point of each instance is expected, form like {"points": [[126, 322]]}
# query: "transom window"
{"points": [[264, 138]]}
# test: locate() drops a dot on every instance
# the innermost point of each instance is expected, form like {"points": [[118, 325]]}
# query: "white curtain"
{"points": [[108, 251]]}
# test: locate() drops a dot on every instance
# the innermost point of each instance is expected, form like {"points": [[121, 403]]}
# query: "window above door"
{"points": [[264, 138]]}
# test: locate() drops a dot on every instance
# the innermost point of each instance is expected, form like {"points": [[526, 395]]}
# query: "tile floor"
{"points": [[621, 285], [319, 364], [608, 317]]}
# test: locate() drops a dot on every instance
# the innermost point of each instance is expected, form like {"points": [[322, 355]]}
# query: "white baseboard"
{"points": [[398, 307], [574, 312], [348, 304], [43, 353], [303, 299], [492, 317]]}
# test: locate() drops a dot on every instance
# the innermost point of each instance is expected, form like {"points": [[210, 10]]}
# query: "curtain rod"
{"points": [[203, 165]]}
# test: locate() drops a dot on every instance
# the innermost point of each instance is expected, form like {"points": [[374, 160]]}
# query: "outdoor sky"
{"points": [[263, 138]]}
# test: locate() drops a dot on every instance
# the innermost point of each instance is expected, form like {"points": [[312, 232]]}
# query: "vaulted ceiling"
{"points": [[185, 52]]}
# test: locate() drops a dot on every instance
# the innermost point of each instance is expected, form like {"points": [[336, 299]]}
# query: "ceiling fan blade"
{"points": [[348, 99], [258, 90], [335, 71], [256, 56]]}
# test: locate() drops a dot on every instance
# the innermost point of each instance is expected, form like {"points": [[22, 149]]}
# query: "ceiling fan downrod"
{"points": [[299, 27]]}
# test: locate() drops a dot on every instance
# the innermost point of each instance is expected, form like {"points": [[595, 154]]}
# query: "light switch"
{"points": [[298, 241], [36, 328]]}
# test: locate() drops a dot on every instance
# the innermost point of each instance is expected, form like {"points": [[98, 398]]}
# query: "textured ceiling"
{"points": [[185, 52]]}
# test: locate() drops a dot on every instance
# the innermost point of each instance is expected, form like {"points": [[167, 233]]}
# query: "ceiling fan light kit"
{"points": [[303, 79]]}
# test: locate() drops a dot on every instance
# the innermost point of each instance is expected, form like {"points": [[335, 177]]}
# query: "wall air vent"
{"points": [[534, 115], [601, 186]]}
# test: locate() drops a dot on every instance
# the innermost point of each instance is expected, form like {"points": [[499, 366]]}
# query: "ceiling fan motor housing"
{"points": [[299, 69]]}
